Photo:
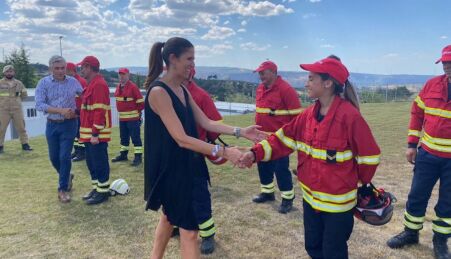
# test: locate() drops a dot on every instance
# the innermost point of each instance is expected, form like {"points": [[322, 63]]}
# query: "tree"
{"points": [[21, 62]]}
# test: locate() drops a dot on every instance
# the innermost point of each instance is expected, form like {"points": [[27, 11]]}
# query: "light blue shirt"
{"points": [[58, 94]]}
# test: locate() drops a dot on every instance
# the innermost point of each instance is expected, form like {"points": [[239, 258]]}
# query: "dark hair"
{"points": [[175, 45], [347, 90]]}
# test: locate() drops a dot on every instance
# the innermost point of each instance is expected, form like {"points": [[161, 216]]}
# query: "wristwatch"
{"points": [[237, 132]]}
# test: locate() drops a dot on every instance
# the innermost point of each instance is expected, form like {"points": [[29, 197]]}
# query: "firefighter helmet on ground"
{"points": [[374, 206]]}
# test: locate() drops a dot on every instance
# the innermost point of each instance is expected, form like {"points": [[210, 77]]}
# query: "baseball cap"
{"points": [[7, 67], [71, 66], [123, 70], [91, 60], [266, 65], [446, 55], [329, 66]]}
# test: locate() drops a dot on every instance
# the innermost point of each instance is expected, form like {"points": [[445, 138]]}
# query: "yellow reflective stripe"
{"points": [[4, 94], [433, 146], [277, 112], [96, 106], [288, 194], [368, 160], [442, 230], [438, 141], [415, 133], [446, 220], [89, 130], [327, 197], [413, 218], [88, 136], [124, 148], [127, 116], [268, 188], [207, 233], [340, 156], [328, 207], [140, 100], [99, 126], [438, 112], [103, 185], [419, 102], [139, 150], [290, 143], [129, 112], [121, 99], [206, 224], [413, 225], [268, 150]]}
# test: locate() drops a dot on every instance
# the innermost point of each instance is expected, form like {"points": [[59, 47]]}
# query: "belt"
{"points": [[59, 121]]}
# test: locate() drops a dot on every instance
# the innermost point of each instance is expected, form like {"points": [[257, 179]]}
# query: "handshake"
{"points": [[68, 113], [242, 157]]}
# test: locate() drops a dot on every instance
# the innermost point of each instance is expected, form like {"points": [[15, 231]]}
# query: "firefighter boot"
{"points": [[407, 237], [26, 147], [208, 245], [440, 247], [264, 197], [80, 154], [137, 160], [286, 206], [121, 157]]}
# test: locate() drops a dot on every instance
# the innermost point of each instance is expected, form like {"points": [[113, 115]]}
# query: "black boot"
{"points": [[208, 245], [26, 147], [121, 157], [137, 160], [264, 197], [286, 206], [89, 195], [440, 247], [1, 149], [407, 237], [80, 155], [98, 197]]}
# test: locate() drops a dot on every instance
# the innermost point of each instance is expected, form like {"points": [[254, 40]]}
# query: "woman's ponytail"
{"points": [[351, 95], [155, 64]]}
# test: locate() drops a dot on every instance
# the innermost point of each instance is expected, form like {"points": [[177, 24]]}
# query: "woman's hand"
{"points": [[233, 154], [254, 134]]}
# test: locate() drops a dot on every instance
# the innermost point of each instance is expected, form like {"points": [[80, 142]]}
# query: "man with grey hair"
{"points": [[55, 96], [12, 92]]}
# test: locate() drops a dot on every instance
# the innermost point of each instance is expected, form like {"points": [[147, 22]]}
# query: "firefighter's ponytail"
{"points": [[350, 94]]}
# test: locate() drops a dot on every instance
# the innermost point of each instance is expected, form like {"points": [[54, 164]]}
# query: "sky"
{"points": [[370, 36]]}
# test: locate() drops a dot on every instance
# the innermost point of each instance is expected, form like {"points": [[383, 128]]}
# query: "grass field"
{"points": [[33, 224]]}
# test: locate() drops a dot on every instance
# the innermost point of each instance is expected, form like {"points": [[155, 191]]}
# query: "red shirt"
{"points": [[95, 114], [431, 112], [129, 102], [276, 105], [333, 155], [206, 104]]}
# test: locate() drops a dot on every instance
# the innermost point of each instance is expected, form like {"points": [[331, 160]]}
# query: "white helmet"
{"points": [[119, 186]]}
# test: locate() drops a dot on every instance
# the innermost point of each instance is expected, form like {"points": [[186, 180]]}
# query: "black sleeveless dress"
{"points": [[169, 169]]}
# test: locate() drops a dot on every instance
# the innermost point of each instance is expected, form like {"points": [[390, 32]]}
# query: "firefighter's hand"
{"points": [[254, 134], [247, 159], [411, 153], [94, 140], [232, 154]]}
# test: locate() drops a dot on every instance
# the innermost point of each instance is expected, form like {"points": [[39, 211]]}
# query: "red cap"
{"points": [[91, 60], [446, 55], [267, 65], [329, 66], [71, 66], [123, 70]]}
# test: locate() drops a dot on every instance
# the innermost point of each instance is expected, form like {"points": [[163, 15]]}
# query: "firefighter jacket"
{"points": [[333, 155], [276, 105], [431, 111], [206, 104], [12, 92], [129, 102], [95, 115], [83, 84]]}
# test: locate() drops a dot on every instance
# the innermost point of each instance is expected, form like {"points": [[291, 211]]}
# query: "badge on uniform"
{"points": [[331, 156]]}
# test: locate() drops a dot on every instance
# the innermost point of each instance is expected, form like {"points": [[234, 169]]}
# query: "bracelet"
{"points": [[237, 132], [215, 150]]}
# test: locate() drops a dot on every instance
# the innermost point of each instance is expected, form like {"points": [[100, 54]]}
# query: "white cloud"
{"points": [[241, 30], [288, 1], [263, 8], [254, 47], [327, 46], [444, 37], [209, 51], [391, 55], [226, 22], [244, 23], [218, 33], [308, 15], [314, 1]]}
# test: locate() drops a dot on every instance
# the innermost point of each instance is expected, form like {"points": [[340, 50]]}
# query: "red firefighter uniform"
{"points": [[276, 106], [129, 102], [202, 206], [79, 148], [84, 84], [333, 156], [431, 111], [95, 114]]}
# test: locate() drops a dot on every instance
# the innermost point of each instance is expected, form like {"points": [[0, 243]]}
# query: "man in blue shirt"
{"points": [[55, 96]]}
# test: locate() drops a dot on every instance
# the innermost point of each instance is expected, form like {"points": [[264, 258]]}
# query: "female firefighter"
{"points": [[336, 150]]}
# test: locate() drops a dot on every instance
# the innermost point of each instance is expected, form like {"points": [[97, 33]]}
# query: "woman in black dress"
{"points": [[173, 155]]}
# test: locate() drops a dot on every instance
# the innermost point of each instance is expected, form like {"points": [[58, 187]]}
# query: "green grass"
{"points": [[33, 224]]}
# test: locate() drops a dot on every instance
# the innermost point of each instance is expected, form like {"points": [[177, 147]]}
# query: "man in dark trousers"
{"points": [[430, 114]]}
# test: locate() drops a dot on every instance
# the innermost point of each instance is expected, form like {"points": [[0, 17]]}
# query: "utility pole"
{"points": [[61, 47]]}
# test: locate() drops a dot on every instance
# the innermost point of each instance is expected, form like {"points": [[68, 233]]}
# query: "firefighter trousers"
{"points": [[280, 168], [18, 121], [327, 234], [98, 165], [131, 129], [428, 170]]}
